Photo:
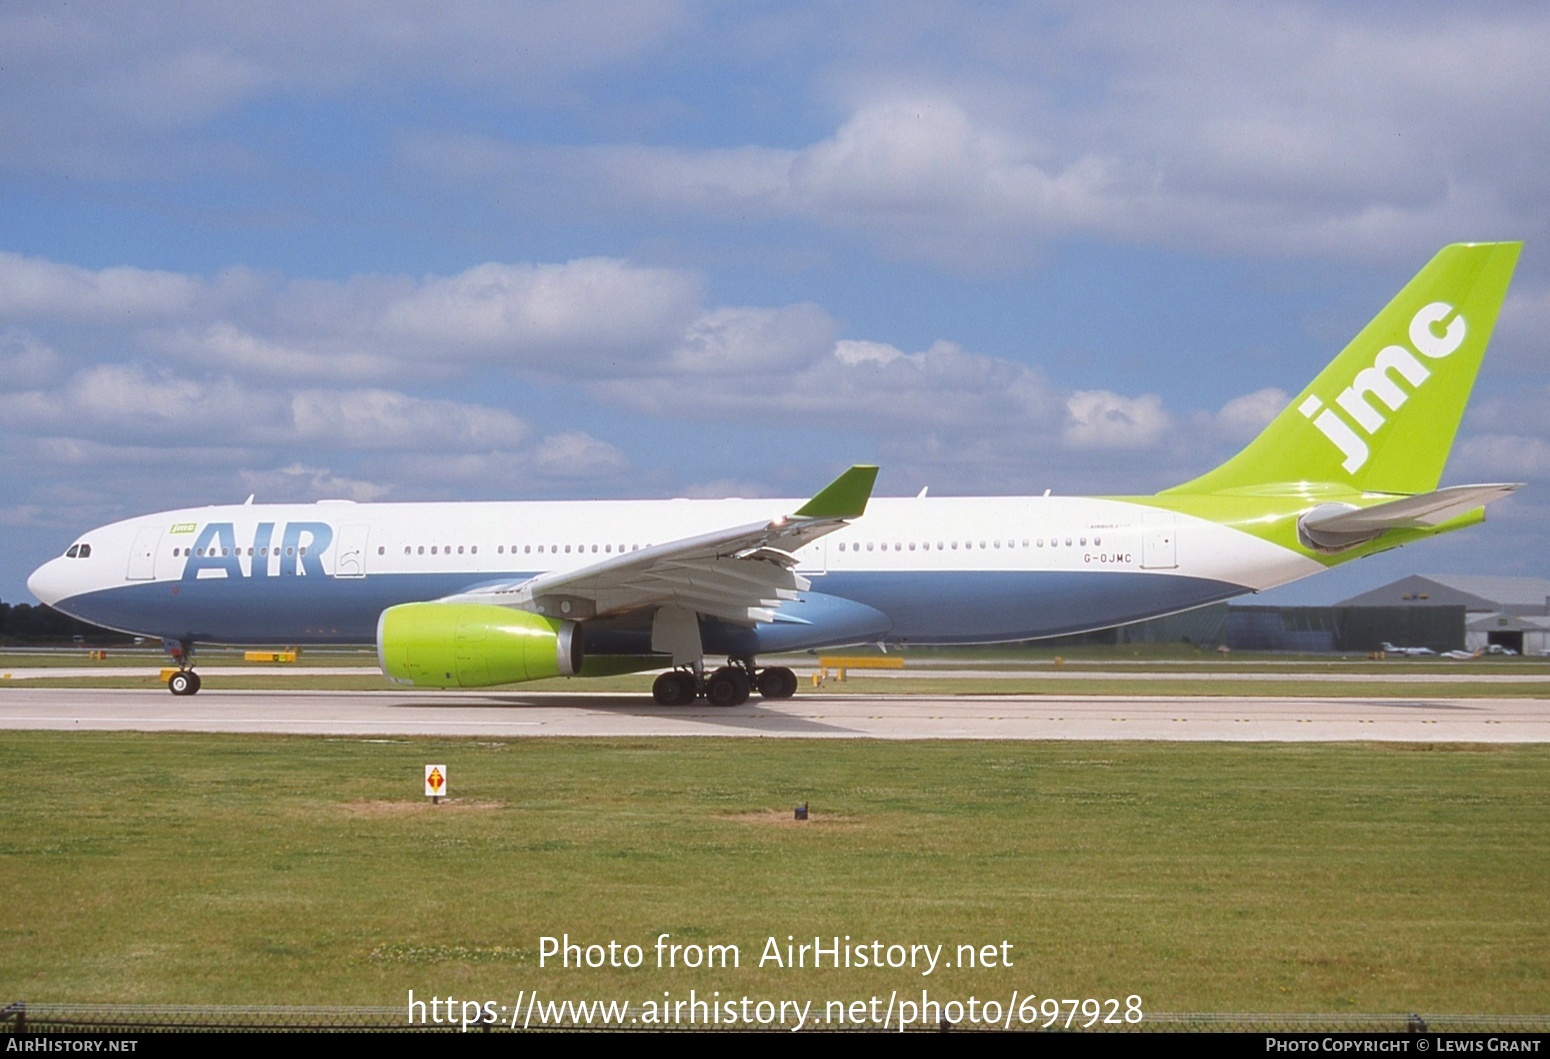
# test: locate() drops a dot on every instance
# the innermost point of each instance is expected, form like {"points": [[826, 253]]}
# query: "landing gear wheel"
{"points": [[183, 682], [673, 689], [777, 682], [727, 686]]}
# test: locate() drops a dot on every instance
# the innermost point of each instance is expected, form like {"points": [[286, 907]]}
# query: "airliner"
{"points": [[472, 595]]}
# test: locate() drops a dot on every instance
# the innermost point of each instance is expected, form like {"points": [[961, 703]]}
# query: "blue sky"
{"points": [[483, 250]]}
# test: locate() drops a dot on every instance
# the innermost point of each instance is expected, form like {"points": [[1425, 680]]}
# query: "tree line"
{"points": [[24, 623]]}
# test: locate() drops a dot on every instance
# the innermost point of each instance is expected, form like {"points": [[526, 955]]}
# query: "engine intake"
{"points": [[474, 645]]}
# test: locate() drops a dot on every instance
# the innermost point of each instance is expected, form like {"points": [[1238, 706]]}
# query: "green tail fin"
{"points": [[1381, 417]]}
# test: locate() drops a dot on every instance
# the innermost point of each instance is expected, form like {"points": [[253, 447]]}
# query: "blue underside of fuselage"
{"points": [[842, 608], [939, 607]]}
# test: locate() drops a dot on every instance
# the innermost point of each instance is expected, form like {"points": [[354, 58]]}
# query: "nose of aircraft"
{"points": [[47, 582]]}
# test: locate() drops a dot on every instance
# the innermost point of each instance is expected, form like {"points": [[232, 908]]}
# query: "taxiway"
{"points": [[1432, 719]]}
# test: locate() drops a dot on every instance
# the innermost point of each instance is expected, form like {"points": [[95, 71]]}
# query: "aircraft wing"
{"points": [[741, 574]]}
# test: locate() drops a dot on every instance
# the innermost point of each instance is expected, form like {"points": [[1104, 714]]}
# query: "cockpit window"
{"points": [[79, 551]]}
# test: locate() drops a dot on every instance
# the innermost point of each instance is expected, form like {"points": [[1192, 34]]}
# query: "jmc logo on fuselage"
{"points": [[296, 552], [1356, 399]]}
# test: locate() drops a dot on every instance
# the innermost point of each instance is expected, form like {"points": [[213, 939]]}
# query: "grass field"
{"points": [[226, 870]]}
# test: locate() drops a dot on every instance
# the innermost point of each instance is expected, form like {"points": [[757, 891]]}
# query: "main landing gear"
{"points": [[185, 681], [730, 685]]}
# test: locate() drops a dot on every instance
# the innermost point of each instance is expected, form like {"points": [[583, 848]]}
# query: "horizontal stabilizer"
{"points": [[1330, 526]]}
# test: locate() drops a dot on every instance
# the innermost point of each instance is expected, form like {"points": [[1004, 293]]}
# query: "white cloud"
{"points": [[129, 403], [1502, 457], [1287, 128], [1099, 419], [224, 345], [1242, 418], [106, 92], [599, 316], [574, 454], [1519, 338], [724, 488], [26, 362], [871, 386], [382, 419], [32, 288], [298, 482], [595, 311], [565, 459], [743, 340]]}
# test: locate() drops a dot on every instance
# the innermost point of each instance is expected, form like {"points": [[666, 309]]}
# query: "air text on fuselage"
{"points": [[295, 551]]}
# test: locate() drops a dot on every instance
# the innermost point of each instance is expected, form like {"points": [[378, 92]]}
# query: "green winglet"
{"points": [[845, 497]]}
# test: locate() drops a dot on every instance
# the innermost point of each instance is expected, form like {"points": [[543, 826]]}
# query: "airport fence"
{"points": [[20, 1017]]}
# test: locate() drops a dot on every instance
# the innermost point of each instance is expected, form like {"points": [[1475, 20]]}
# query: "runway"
{"points": [[1473, 677], [1432, 719]]}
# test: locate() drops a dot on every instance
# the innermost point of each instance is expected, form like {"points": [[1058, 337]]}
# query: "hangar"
{"points": [[1510, 612]]}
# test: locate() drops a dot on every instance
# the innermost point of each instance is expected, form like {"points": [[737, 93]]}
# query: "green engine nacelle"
{"points": [[473, 645]]}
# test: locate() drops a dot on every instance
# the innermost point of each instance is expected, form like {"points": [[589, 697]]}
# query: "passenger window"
{"points": [[460, 549]]}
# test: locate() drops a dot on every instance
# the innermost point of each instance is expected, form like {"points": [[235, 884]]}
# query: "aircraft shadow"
{"points": [[753, 716]]}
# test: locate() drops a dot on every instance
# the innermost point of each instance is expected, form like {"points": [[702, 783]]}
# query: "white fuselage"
{"points": [[936, 569]]}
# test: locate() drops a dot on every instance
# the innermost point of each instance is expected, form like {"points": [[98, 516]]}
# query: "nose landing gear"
{"points": [[185, 681]]}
